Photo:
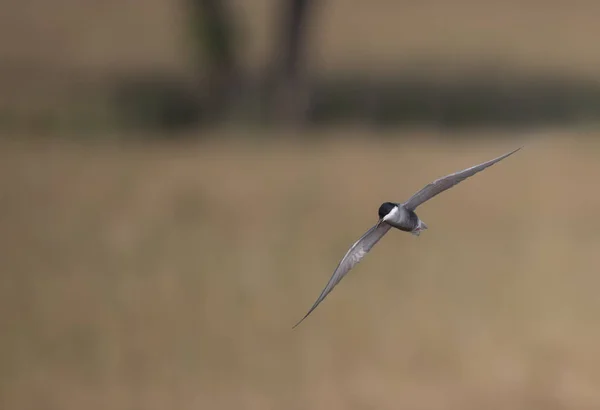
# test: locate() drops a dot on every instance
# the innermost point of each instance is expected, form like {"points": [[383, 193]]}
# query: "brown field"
{"points": [[169, 276], [164, 275]]}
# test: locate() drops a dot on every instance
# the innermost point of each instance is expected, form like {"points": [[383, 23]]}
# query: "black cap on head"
{"points": [[385, 209]]}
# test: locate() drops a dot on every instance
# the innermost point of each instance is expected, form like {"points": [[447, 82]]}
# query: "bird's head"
{"points": [[385, 209]]}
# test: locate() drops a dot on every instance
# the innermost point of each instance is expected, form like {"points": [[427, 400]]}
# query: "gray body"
{"points": [[401, 216], [405, 220]]}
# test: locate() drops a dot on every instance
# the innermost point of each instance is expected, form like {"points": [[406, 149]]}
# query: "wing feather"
{"points": [[354, 255], [440, 185]]}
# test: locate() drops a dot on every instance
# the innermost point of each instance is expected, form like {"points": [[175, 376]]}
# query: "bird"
{"points": [[401, 216]]}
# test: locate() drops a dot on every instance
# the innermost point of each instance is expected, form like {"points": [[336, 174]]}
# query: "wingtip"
{"points": [[513, 151], [517, 149], [308, 314], [300, 321]]}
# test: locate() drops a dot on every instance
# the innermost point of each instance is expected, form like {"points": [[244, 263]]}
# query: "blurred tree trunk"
{"points": [[289, 95], [213, 33]]}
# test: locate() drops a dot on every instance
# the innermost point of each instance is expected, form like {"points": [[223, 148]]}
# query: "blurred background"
{"points": [[179, 178]]}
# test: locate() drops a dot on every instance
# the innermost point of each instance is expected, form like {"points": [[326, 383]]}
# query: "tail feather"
{"points": [[420, 227]]}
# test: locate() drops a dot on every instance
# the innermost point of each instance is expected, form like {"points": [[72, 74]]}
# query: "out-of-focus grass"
{"points": [[169, 276]]}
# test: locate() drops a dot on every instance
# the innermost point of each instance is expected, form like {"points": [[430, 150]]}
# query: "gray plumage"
{"points": [[440, 185], [400, 216], [352, 257]]}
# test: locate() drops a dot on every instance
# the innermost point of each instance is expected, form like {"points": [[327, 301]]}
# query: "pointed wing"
{"points": [[352, 257], [447, 182]]}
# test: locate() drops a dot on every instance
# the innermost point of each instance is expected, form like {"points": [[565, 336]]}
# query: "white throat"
{"points": [[392, 214]]}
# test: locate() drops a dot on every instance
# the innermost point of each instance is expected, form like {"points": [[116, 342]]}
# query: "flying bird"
{"points": [[401, 216]]}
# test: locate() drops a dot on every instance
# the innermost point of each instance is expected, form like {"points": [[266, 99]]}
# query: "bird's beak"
{"points": [[379, 223]]}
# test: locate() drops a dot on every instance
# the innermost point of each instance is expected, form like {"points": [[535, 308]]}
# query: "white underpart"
{"points": [[391, 214]]}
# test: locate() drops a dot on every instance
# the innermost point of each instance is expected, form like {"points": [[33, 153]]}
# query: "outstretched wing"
{"points": [[447, 182], [352, 257]]}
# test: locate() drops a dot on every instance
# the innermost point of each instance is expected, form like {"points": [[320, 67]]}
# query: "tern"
{"points": [[401, 216]]}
